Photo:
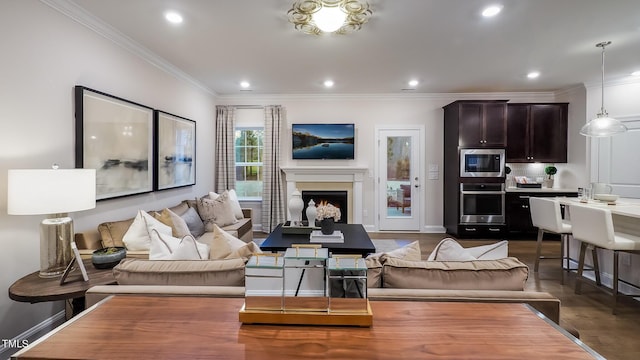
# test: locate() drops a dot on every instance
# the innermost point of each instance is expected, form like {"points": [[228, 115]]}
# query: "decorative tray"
{"points": [[287, 228]]}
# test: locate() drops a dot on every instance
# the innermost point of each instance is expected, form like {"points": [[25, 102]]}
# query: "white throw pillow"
{"points": [[450, 250], [137, 237], [499, 250], [227, 246], [167, 247], [410, 252], [235, 204]]}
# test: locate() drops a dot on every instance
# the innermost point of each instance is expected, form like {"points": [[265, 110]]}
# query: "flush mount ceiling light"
{"points": [[173, 17], [492, 10], [329, 16], [603, 125], [533, 75]]}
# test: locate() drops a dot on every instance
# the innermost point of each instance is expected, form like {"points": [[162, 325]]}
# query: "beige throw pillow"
{"points": [[410, 252], [166, 247], [179, 227], [235, 203], [227, 246], [137, 238], [218, 211]]}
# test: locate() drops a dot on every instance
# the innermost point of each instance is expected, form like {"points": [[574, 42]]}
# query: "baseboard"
{"points": [[10, 346], [607, 280]]}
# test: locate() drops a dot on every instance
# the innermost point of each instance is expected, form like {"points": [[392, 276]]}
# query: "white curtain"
{"points": [[273, 189], [225, 162]]}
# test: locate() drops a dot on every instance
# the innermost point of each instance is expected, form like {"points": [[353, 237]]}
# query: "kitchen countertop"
{"points": [[540, 190]]}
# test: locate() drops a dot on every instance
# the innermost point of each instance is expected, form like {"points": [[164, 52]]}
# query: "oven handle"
{"points": [[482, 192]]}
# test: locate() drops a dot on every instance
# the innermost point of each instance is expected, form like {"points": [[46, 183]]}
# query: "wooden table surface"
{"points": [[32, 288], [208, 328]]}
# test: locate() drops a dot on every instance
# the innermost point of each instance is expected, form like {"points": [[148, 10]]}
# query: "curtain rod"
{"points": [[247, 106]]}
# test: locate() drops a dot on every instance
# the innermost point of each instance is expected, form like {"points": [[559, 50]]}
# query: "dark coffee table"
{"points": [[356, 241]]}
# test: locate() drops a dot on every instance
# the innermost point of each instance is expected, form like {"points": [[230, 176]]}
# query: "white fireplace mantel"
{"points": [[345, 174]]}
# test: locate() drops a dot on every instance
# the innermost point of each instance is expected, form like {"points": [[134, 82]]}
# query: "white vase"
{"points": [[295, 208], [311, 213]]}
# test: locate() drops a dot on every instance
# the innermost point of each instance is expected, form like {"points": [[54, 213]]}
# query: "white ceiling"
{"points": [[445, 44]]}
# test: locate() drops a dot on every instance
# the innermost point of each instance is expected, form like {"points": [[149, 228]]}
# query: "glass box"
{"points": [[305, 278], [347, 283], [264, 281]]}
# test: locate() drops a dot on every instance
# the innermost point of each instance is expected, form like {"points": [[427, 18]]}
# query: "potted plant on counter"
{"points": [[550, 171]]}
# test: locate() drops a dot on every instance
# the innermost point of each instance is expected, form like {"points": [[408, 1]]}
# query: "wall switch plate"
{"points": [[433, 175], [433, 167]]}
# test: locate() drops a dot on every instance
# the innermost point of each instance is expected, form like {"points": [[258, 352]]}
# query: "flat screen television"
{"points": [[323, 141]]}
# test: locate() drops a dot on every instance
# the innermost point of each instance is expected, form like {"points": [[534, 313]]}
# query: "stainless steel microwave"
{"points": [[482, 162]]}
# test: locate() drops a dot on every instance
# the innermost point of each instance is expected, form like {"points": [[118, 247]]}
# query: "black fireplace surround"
{"points": [[336, 198]]}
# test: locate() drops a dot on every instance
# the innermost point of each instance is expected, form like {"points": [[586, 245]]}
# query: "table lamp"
{"points": [[54, 192]]}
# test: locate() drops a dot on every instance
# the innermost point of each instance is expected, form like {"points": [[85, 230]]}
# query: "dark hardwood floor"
{"points": [[613, 336]]}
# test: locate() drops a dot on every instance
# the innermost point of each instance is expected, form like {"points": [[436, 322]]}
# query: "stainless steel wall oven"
{"points": [[482, 203]]}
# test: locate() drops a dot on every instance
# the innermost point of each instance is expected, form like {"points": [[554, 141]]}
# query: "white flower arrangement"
{"points": [[326, 210]]}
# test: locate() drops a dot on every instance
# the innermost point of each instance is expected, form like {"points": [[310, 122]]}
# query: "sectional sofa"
{"points": [[388, 277]]}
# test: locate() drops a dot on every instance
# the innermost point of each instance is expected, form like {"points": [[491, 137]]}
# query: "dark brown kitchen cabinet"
{"points": [[482, 124], [537, 133], [518, 214]]}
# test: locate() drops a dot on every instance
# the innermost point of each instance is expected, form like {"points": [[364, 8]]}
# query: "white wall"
{"points": [[574, 173], [44, 54], [367, 112]]}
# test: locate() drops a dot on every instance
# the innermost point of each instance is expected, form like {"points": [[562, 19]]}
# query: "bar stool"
{"points": [[594, 228], [547, 217]]}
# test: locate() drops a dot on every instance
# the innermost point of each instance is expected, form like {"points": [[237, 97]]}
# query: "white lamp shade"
{"points": [[50, 191]]}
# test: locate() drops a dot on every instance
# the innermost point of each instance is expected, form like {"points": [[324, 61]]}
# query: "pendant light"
{"points": [[603, 125]]}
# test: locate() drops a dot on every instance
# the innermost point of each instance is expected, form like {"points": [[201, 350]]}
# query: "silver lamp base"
{"points": [[56, 234]]}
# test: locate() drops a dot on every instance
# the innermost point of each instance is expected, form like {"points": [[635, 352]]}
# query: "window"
{"points": [[249, 147]]}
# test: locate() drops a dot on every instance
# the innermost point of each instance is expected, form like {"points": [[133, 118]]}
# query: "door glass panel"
{"points": [[398, 172]]}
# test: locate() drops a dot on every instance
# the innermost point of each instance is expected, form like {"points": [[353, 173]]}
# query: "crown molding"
{"points": [[625, 80], [83, 17], [570, 90], [273, 98]]}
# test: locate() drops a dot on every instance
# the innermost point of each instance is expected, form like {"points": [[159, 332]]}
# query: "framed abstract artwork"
{"points": [[175, 151], [115, 137]]}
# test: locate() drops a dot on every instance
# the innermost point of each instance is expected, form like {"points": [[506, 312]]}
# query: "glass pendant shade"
{"points": [[603, 125]]}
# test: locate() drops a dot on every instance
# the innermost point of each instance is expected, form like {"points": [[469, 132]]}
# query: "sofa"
{"points": [[387, 278], [112, 233]]}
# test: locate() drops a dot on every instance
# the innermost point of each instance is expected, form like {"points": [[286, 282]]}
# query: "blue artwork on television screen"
{"points": [[323, 141]]}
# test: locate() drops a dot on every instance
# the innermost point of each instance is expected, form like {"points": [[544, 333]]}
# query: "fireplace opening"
{"points": [[335, 198]]}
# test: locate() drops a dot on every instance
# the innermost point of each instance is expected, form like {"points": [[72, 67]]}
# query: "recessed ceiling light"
{"points": [[533, 75], [635, 73], [328, 83], [492, 10], [173, 17], [413, 83], [244, 84]]}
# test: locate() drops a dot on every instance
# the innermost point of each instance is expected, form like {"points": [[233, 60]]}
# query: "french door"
{"points": [[399, 159]]}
